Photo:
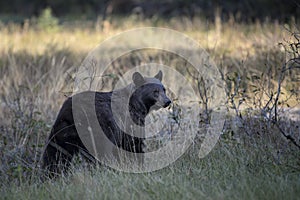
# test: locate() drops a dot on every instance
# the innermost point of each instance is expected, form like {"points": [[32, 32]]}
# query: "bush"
{"points": [[47, 22]]}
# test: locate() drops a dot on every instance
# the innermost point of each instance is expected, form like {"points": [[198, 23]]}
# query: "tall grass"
{"points": [[252, 160]]}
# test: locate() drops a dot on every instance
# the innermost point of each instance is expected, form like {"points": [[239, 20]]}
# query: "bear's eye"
{"points": [[156, 93]]}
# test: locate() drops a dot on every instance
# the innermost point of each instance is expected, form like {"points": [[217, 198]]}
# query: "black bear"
{"points": [[144, 94]]}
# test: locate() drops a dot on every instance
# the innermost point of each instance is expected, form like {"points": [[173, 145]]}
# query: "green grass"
{"points": [[252, 160], [229, 172]]}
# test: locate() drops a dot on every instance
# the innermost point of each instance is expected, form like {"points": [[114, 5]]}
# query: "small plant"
{"points": [[47, 22]]}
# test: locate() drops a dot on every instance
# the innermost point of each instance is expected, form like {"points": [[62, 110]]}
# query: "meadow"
{"points": [[256, 157]]}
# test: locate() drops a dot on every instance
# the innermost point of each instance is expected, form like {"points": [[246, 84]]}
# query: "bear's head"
{"points": [[149, 92]]}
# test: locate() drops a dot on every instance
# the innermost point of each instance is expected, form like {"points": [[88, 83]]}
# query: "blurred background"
{"points": [[241, 10]]}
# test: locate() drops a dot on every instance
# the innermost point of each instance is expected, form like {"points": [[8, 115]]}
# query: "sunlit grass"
{"points": [[238, 40]]}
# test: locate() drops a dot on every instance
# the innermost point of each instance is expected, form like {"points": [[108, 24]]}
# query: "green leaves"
{"points": [[47, 22]]}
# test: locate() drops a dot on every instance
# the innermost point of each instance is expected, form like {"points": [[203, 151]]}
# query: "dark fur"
{"points": [[64, 141]]}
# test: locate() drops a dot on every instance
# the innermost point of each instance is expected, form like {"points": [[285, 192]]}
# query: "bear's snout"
{"points": [[167, 102]]}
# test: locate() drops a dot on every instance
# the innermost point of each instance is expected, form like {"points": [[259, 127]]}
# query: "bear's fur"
{"points": [[144, 94]]}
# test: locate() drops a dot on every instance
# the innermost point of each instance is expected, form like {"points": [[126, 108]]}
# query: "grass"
{"points": [[252, 159], [229, 172]]}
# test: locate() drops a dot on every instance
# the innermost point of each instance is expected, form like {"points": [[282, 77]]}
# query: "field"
{"points": [[256, 157]]}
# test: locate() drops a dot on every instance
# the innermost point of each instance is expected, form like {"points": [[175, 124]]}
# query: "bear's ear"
{"points": [[138, 79], [159, 75]]}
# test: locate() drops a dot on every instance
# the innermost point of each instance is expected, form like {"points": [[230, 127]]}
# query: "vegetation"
{"points": [[257, 156], [242, 10]]}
